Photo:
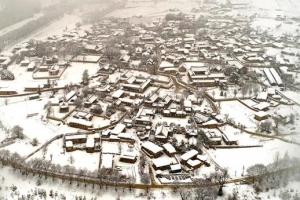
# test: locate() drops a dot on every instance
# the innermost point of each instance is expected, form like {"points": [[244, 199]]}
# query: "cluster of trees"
{"points": [[96, 15], [208, 188], [16, 132], [49, 169], [59, 48], [145, 179], [17, 10], [174, 17], [266, 126], [274, 175]]}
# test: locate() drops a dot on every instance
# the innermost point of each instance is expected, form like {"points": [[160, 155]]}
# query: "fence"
{"points": [[98, 181], [48, 77], [44, 145]]}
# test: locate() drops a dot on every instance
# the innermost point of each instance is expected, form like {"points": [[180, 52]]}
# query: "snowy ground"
{"points": [[81, 159], [150, 9], [231, 158], [289, 7], [27, 185], [244, 139], [295, 96], [239, 113]]}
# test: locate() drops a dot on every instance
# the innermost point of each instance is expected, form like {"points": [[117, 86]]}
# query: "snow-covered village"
{"points": [[152, 99]]}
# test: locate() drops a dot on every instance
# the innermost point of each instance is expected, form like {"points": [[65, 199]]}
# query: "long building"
{"points": [[269, 76], [276, 76]]}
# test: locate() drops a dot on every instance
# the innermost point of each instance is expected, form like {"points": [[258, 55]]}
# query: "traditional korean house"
{"points": [[152, 150], [161, 163], [128, 157], [90, 145], [80, 123], [162, 133], [175, 168], [261, 115], [169, 149], [192, 154], [63, 107]]}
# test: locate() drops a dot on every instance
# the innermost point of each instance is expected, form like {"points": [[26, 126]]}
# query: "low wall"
{"points": [[44, 145]]}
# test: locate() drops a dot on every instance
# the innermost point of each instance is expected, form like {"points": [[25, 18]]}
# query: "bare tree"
{"points": [[97, 109], [244, 89], [17, 132], [256, 171], [184, 194], [85, 76], [85, 91], [200, 93], [78, 102], [205, 190], [34, 142], [292, 118], [235, 92], [48, 108], [71, 159], [276, 121], [220, 177], [255, 89], [266, 126], [145, 179]]}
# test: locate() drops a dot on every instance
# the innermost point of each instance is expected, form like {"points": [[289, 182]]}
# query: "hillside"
{"points": [[14, 11]]}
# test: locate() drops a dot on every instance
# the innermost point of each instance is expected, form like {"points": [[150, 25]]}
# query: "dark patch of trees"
{"points": [[174, 17], [51, 13]]}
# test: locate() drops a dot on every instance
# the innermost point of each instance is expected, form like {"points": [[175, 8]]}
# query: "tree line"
{"points": [[51, 13], [42, 167]]}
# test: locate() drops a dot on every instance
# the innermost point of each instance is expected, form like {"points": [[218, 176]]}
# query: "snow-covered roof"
{"points": [[90, 142], [117, 94], [189, 154], [193, 163], [175, 167], [76, 136], [262, 95], [69, 144], [202, 157], [118, 129], [125, 135], [261, 106], [187, 103], [80, 121], [169, 147], [165, 64], [161, 162], [152, 147], [261, 114]]}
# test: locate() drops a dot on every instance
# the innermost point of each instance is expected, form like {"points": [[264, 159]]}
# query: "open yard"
{"points": [[239, 113], [231, 158], [81, 159]]}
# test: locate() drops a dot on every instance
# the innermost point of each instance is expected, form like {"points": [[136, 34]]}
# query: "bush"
{"points": [[34, 142], [39, 182], [257, 189], [17, 132]]}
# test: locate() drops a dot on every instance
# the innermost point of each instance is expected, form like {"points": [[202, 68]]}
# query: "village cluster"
{"points": [[157, 98]]}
